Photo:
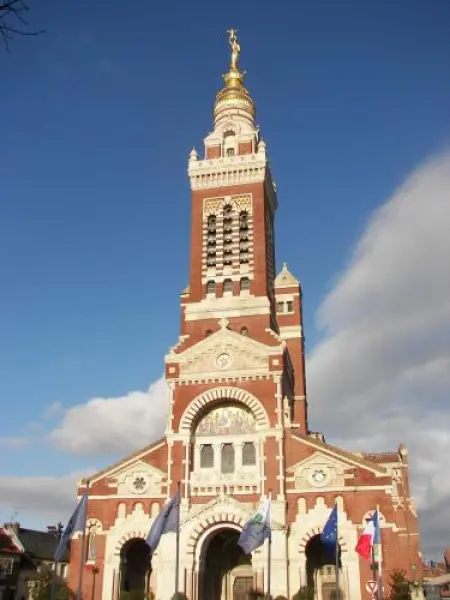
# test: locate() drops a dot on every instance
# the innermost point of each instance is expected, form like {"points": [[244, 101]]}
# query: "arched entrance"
{"points": [[321, 569], [226, 571], [135, 568]]}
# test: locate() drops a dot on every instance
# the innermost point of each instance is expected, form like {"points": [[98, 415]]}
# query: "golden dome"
{"points": [[234, 95]]}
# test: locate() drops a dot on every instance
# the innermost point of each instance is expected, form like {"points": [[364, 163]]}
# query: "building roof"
{"points": [[40, 544], [7, 544]]}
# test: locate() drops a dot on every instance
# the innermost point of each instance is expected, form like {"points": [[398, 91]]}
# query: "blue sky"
{"points": [[99, 115]]}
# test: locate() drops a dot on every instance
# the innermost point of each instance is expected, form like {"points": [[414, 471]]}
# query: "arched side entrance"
{"points": [[321, 569], [135, 568], [226, 572]]}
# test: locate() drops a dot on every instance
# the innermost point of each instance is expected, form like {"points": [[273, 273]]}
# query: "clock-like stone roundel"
{"points": [[223, 360], [319, 477]]}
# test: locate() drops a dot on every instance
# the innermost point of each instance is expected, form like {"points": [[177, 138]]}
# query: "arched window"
{"points": [[243, 238], [211, 287], [227, 234], [227, 286], [211, 241], [227, 462], [245, 284], [92, 544], [206, 456], [244, 330], [248, 454]]}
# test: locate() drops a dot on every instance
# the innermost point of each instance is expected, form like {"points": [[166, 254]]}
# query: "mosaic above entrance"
{"points": [[226, 420]]}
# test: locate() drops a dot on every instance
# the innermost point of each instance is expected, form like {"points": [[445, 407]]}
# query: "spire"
{"points": [[234, 98]]}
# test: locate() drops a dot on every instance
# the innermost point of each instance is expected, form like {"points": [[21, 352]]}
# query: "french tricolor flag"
{"points": [[369, 537]]}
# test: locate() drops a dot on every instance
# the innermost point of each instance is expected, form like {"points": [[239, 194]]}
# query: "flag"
{"points": [[167, 520], [329, 534], [77, 522], [369, 537], [257, 529]]}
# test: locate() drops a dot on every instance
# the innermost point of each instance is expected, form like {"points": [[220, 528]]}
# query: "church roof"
{"points": [[354, 457], [285, 278]]}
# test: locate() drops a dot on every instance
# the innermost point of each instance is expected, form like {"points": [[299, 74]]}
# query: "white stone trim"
{"points": [[221, 393], [290, 332]]}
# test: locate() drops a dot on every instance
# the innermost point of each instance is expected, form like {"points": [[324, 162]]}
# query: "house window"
{"points": [[6, 566], [227, 463], [290, 306], [280, 307], [211, 287], [227, 286], [248, 454], [245, 284], [207, 457], [230, 151]]}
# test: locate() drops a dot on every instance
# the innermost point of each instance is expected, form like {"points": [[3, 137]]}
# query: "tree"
{"points": [[13, 20], [42, 588], [399, 585]]}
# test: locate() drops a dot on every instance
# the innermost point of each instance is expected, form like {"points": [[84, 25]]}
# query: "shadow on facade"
{"points": [[135, 569], [321, 569], [226, 572]]}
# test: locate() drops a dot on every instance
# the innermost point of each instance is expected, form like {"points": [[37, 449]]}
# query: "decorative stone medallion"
{"points": [[319, 477], [139, 484], [223, 360]]}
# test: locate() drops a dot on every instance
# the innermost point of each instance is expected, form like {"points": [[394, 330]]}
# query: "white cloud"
{"points": [[38, 498], [114, 425], [381, 374]]}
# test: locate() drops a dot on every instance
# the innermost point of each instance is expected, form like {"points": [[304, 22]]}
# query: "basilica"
{"points": [[237, 418]]}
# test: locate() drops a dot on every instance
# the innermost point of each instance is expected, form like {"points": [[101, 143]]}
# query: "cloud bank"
{"points": [[381, 374]]}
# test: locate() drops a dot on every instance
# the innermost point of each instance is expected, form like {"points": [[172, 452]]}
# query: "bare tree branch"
{"points": [[13, 20]]}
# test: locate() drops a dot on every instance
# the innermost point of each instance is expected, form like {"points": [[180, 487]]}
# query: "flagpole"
{"points": [[338, 588], [269, 552], [83, 546], [177, 547], [53, 588], [380, 558]]}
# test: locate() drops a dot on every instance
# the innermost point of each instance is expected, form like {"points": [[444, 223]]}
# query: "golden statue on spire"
{"points": [[235, 49]]}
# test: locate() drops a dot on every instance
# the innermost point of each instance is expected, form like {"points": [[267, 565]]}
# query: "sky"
{"points": [[99, 116]]}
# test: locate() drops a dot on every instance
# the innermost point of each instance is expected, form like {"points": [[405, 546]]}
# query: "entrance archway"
{"points": [[321, 569], [226, 571], [135, 567]]}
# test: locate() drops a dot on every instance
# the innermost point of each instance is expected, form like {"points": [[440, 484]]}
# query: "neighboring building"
{"points": [[23, 554], [237, 425]]}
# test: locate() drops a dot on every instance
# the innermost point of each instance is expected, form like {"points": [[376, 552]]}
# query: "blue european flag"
{"points": [[167, 521], [76, 522], [329, 535]]}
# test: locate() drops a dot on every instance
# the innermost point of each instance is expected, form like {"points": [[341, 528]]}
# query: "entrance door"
{"points": [[242, 587]]}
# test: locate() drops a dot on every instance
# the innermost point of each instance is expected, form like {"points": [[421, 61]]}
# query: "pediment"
{"points": [[225, 352], [318, 471], [139, 479]]}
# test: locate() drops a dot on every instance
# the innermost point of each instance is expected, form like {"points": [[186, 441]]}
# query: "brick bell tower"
{"points": [[241, 335]]}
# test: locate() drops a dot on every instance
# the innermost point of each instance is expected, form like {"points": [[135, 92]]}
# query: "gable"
{"points": [[317, 471], [224, 351], [316, 465], [143, 474]]}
